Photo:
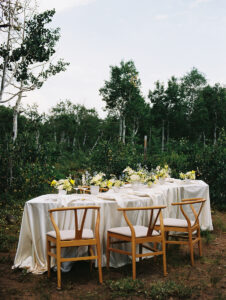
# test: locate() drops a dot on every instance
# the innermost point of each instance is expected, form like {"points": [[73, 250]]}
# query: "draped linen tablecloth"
{"points": [[31, 250]]}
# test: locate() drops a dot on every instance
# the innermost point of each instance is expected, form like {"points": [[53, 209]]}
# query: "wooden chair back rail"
{"points": [[129, 224], [188, 202], [192, 199], [151, 222], [78, 232], [140, 208]]}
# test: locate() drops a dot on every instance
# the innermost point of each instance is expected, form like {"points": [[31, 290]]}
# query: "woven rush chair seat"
{"points": [[185, 231], [138, 235], [175, 222], [79, 236], [140, 231], [68, 235]]}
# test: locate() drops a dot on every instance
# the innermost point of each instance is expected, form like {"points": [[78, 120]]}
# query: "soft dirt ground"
{"points": [[207, 279]]}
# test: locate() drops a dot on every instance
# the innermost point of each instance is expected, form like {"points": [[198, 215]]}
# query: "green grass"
{"points": [[220, 225], [207, 236], [160, 290], [167, 289], [125, 287]]}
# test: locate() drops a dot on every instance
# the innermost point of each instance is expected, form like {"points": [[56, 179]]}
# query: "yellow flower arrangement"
{"points": [[63, 184], [162, 172], [188, 175]]}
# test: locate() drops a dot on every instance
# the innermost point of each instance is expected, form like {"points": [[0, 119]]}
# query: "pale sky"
{"points": [[162, 37]]}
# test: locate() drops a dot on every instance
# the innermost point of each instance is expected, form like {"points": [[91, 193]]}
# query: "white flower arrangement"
{"points": [[86, 177], [150, 179], [63, 184], [162, 172], [133, 176], [188, 175], [98, 179]]}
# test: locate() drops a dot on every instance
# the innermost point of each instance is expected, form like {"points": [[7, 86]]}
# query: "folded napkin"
{"points": [[171, 180], [107, 196], [139, 193]]}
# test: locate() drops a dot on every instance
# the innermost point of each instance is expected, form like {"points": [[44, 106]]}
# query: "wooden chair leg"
{"points": [[167, 238], [48, 257], [90, 249], [134, 260], [155, 247], [58, 268], [191, 248], [199, 242], [108, 251], [99, 262], [140, 250], [164, 258]]}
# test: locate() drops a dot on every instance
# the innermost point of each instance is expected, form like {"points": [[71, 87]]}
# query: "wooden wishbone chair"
{"points": [[84, 189], [189, 228], [73, 238], [138, 235]]}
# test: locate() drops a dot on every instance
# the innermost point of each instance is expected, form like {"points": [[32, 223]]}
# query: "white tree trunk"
{"points": [[37, 137], [15, 114], [3, 76], [73, 143], [99, 136], [135, 130], [145, 147], [62, 137], [84, 140], [120, 129]]}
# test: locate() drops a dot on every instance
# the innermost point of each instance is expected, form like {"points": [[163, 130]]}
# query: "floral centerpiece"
{"points": [[162, 172], [63, 184], [98, 179], [150, 179], [188, 175], [135, 176], [114, 182]]}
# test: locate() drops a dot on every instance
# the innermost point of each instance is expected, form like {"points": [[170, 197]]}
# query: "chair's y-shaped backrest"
{"points": [[79, 225]]}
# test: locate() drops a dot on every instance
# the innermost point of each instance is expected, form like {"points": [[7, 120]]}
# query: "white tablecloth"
{"points": [[31, 251]]}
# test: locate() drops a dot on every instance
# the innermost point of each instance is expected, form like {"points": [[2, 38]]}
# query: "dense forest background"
{"points": [[181, 123]]}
